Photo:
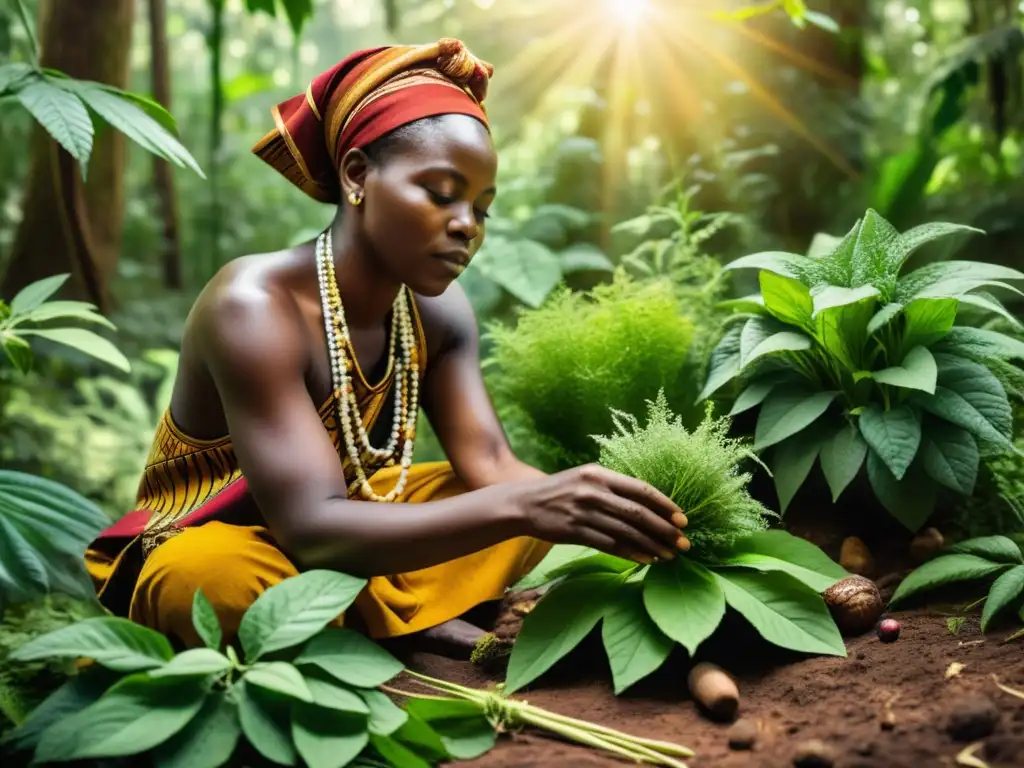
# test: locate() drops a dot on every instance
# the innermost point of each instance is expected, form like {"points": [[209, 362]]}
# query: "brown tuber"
{"points": [[855, 557], [714, 690], [926, 545], [855, 604]]}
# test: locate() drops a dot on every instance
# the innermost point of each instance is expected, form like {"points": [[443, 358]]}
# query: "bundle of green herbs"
{"points": [[773, 579], [557, 372]]}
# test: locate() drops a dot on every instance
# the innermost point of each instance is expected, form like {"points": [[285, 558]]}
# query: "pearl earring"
{"points": [[355, 197]]}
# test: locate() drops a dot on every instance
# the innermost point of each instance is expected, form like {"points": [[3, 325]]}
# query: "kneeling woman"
{"points": [[288, 444]]}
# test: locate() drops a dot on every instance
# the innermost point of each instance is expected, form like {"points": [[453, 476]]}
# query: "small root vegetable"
{"points": [[973, 718], [855, 604], [888, 630], [814, 754], [742, 734], [926, 545], [855, 556], [714, 690]]}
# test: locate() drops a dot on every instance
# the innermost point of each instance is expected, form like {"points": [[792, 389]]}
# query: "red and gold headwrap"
{"points": [[367, 95]]}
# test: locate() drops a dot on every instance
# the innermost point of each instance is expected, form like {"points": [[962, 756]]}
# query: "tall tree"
{"points": [[70, 225], [163, 174]]}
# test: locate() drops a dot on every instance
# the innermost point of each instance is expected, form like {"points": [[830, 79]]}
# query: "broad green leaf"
{"points": [[599, 562], [843, 330], [133, 122], [76, 694], [79, 310], [113, 642], [350, 657], [34, 294], [830, 296], [12, 73], [725, 362], [558, 623], [782, 610], [950, 406], [998, 549], [752, 396], [208, 741], [385, 716], [874, 261], [22, 572], [951, 456], [557, 556], [775, 262], [834, 267], [684, 601], [921, 235], [464, 730], [752, 304], [583, 257], [62, 115], [842, 456], [332, 696], [1006, 590], [205, 621], [131, 718], [422, 738], [822, 21], [327, 738], [791, 463], [952, 279], [633, 642], [799, 557], [943, 570], [260, 724], [917, 371], [293, 611], [883, 317], [279, 676], [787, 299], [990, 303], [525, 268], [787, 341], [396, 753], [910, 500], [17, 350], [84, 341], [979, 388], [894, 435], [927, 321], [756, 330], [199, 662], [784, 414]]}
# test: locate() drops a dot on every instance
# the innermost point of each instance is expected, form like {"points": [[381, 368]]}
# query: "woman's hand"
{"points": [[605, 510]]}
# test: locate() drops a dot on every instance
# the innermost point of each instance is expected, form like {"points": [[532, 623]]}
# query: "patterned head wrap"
{"points": [[360, 99]]}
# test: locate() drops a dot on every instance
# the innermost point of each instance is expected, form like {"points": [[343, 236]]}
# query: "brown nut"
{"points": [[855, 604], [855, 557], [926, 545]]}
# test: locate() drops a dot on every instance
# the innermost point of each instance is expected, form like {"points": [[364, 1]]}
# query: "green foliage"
{"points": [[646, 610], [698, 470], [316, 702], [971, 560], [297, 11], [31, 307], [565, 364], [797, 11], [855, 364]]}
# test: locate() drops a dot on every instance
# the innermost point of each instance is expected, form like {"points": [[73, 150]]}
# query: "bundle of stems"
{"points": [[507, 714]]}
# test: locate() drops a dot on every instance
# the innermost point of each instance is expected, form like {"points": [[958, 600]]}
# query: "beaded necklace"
{"points": [[405, 382]]}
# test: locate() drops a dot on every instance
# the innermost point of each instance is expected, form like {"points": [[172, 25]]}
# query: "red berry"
{"points": [[888, 630]]}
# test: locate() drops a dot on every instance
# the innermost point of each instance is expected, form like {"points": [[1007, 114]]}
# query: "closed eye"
{"points": [[445, 200]]}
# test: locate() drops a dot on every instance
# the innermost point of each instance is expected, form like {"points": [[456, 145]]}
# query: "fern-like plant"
{"points": [[565, 364], [854, 364]]}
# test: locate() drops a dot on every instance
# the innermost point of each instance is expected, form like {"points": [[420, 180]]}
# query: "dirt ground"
{"points": [[841, 702]]}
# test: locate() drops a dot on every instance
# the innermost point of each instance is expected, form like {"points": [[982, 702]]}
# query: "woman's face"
{"points": [[426, 201]]}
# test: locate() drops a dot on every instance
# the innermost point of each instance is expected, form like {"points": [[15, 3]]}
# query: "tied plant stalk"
{"points": [[507, 714]]}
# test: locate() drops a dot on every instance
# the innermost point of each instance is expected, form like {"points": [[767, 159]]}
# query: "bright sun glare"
{"points": [[627, 11]]}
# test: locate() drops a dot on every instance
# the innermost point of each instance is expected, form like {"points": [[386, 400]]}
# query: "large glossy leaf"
{"points": [[998, 549], [558, 623], [787, 299], [1005, 592], [883, 317], [12, 73], [261, 723], [583, 257], [134, 716], [113, 642], [791, 463], [334, 696], [778, 550], [293, 611], [874, 260], [782, 610], [979, 387], [34, 294], [194, 662], [943, 570], [921, 235], [927, 321], [633, 642], [525, 268], [464, 731], [917, 371], [17, 350], [990, 303], [752, 396], [205, 621], [385, 716], [84, 341], [57, 310], [350, 657], [62, 115], [950, 456], [684, 601], [775, 262], [829, 296], [281, 677], [208, 741], [952, 278], [327, 738], [894, 435], [725, 362], [842, 456], [783, 414], [910, 500], [843, 330]]}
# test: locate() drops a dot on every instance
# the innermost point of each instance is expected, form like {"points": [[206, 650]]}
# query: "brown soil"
{"points": [[842, 702]]}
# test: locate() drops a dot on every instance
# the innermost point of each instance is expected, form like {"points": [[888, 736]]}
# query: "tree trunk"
{"points": [[76, 230], [163, 173]]}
